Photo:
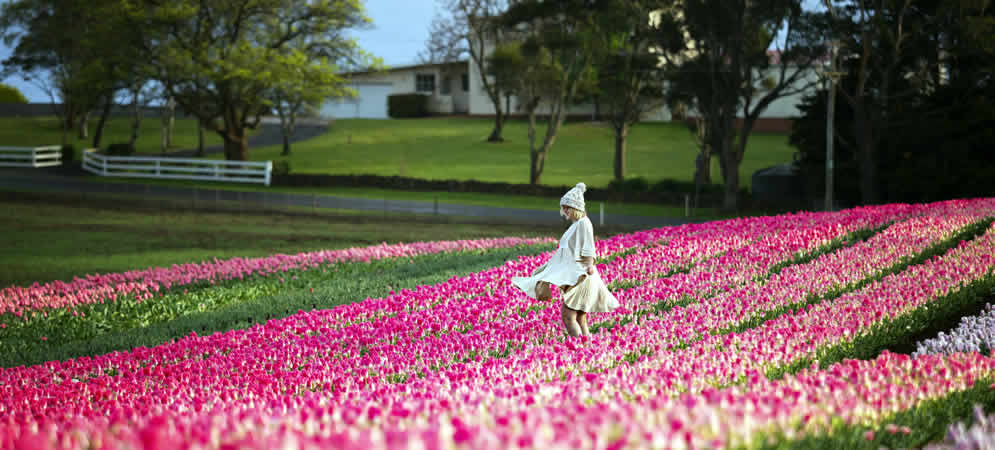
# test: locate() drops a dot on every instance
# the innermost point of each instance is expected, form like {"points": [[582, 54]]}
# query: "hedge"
{"points": [[664, 192]]}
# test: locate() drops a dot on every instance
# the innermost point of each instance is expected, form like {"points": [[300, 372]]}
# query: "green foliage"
{"points": [[10, 94], [407, 105], [231, 67]]}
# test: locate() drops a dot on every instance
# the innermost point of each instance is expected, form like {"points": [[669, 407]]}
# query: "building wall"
{"points": [[403, 82]]}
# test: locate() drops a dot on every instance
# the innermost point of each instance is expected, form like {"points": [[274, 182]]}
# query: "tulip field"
{"points": [[759, 332]]}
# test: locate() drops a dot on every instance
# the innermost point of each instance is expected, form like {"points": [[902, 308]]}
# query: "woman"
{"points": [[572, 269]]}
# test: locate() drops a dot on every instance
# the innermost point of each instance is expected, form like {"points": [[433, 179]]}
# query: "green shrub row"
{"points": [[664, 192]]}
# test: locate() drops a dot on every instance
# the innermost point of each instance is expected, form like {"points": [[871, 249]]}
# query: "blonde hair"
{"points": [[574, 214]]}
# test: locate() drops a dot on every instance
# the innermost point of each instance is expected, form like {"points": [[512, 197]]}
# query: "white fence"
{"points": [[31, 156], [177, 168]]}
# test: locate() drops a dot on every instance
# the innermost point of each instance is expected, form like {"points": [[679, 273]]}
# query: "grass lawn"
{"points": [[455, 148], [47, 130], [46, 241]]}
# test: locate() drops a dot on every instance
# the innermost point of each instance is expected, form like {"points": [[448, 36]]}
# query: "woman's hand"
{"points": [[590, 270]]}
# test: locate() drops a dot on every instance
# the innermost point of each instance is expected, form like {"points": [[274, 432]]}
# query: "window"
{"points": [[466, 82], [445, 88], [425, 82]]}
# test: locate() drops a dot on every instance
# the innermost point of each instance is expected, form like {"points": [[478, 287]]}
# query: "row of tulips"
{"points": [[144, 284], [299, 333]]}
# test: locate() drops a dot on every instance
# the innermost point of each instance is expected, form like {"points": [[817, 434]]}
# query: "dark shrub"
{"points": [[629, 185], [407, 105], [120, 149], [281, 168], [68, 154]]}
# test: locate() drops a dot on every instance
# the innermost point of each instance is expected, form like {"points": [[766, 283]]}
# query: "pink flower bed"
{"points": [[327, 379], [142, 284]]}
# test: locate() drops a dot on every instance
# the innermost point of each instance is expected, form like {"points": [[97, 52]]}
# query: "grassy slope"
{"points": [[454, 148], [53, 241]]}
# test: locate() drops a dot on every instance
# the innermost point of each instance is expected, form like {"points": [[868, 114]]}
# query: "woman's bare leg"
{"points": [[569, 317], [582, 321]]}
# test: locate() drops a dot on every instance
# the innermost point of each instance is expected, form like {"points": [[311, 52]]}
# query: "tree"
{"points": [[471, 28], [75, 51], [873, 37], [557, 50], [930, 132], [47, 52], [629, 76], [10, 94], [219, 59], [723, 64]]}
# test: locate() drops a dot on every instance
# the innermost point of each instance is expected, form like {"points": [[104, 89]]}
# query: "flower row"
{"points": [[143, 284]]}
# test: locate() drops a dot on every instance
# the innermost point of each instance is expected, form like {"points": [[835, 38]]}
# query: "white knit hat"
{"points": [[574, 198]]}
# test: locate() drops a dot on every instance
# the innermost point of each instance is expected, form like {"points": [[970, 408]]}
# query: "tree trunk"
{"points": [[730, 201], [534, 171], [867, 158], [163, 139], [286, 143], [70, 115], [236, 145], [104, 114], [170, 124], [498, 125], [200, 138], [136, 119], [620, 134], [84, 125], [597, 109]]}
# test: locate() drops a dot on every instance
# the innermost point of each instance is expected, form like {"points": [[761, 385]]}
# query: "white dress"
{"points": [[564, 270]]}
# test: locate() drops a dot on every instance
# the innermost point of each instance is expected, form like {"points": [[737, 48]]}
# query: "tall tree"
{"points": [[629, 75], [873, 36], [557, 45], [76, 51], [471, 28], [218, 59], [735, 58]]}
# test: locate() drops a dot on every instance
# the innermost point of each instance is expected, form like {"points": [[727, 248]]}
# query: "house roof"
{"points": [[459, 63]]}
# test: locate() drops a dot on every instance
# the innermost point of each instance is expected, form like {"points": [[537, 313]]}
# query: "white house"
{"points": [[446, 84]]}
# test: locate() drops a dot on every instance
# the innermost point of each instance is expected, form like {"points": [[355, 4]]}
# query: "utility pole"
{"points": [[832, 76]]}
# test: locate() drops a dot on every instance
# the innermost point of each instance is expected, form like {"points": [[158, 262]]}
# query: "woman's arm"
{"points": [[587, 262]]}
